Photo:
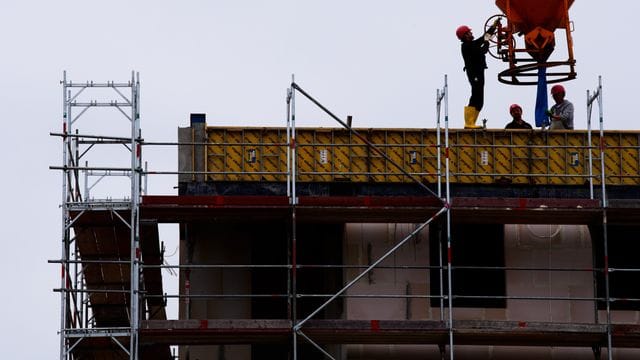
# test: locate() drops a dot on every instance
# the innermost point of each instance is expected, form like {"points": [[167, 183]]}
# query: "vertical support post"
{"points": [[289, 98], [440, 96], [605, 205], [66, 125], [590, 156], [292, 143], [441, 271], [136, 169], [607, 281], [290, 269], [448, 206], [293, 200], [567, 26], [594, 272], [603, 178], [146, 178], [294, 276]]}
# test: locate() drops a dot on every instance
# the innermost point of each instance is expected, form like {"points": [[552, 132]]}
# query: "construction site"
{"points": [[350, 242]]}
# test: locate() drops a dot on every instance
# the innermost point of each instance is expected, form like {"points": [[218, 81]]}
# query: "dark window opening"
{"points": [[623, 252], [476, 246], [317, 244]]}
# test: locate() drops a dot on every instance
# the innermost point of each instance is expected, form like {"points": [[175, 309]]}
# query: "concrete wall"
{"points": [[365, 243], [528, 246], [202, 243]]}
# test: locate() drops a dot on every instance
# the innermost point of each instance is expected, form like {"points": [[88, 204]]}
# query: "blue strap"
{"points": [[542, 101]]}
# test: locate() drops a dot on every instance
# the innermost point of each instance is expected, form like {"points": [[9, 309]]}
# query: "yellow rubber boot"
{"points": [[470, 117]]}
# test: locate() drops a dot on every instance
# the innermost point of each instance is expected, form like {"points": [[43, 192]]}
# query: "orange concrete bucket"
{"points": [[537, 20], [526, 15]]}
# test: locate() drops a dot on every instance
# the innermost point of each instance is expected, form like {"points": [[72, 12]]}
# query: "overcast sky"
{"points": [[380, 61]]}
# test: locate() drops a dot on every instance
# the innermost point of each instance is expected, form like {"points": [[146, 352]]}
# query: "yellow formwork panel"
{"points": [[622, 160], [273, 157], [216, 155], [429, 158], [629, 158], [254, 154], [413, 154], [475, 156], [395, 152], [252, 151], [518, 159], [359, 154], [376, 160], [612, 160], [502, 155], [341, 155]]}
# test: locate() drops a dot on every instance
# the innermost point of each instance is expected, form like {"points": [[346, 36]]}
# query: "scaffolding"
{"points": [[422, 208], [79, 319], [441, 97]]}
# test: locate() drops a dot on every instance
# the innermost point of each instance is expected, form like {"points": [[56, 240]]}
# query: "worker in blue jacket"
{"points": [[473, 53]]}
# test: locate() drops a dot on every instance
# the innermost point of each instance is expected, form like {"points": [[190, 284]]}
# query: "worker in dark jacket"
{"points": [[517, 123], [473, 53]]}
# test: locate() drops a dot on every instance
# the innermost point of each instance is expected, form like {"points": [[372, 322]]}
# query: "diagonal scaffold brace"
{"points": [[415, 232], [297, 328], [365, 140]]}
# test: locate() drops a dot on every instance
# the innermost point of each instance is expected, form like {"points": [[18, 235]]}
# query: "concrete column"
{"points": [[192, 157]]}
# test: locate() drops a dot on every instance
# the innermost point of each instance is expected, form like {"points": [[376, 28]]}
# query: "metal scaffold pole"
{"points": [[605, 205], [597, 97], [589, 140], [448, 207], [136, 171], [293, 200], [65, 222], [440, 98]]}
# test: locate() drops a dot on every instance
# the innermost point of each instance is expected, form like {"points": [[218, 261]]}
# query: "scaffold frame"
{"points": [[78, 323]]}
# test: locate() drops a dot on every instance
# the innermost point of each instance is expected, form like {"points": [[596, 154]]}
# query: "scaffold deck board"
{"points": [[103, 236], [392, 209], [466, 332]]}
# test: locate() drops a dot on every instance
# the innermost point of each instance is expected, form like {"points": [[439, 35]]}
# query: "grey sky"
{"points": [[380, 61]]}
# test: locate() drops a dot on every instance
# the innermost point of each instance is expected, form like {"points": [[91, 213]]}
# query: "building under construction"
{"points": [[351, 243], [345, 243]]}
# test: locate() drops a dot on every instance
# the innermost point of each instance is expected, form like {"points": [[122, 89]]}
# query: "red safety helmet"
{"points": [[514, 106], [461, 30], [557, 89]]}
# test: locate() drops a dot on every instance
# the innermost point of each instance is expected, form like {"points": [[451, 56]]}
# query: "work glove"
{"points": [[491, 30]]}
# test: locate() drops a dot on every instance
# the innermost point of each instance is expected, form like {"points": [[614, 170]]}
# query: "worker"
{"points": [[516, 114], [473, 53], [560, 114]]}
